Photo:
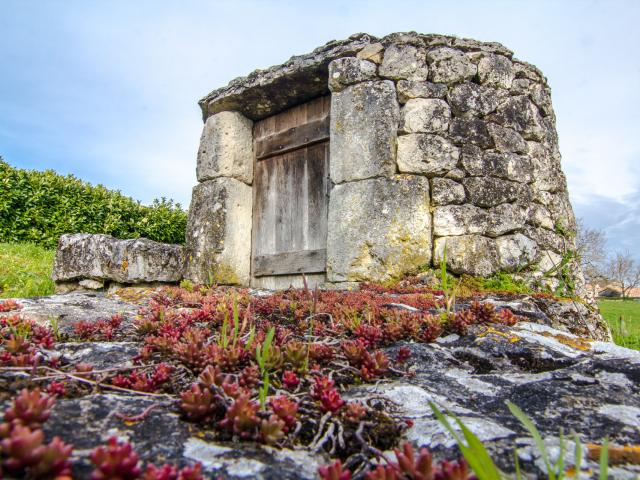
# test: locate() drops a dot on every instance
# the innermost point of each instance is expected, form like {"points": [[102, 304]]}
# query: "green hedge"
{"points": [[38, 207]]}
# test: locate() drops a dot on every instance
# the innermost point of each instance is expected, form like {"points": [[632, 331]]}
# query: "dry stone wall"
{"points": [[475, 127]]}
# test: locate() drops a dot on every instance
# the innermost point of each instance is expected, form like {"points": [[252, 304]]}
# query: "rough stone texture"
{"points": [[347, 71], [469, 99], [364, 118], [301, 78], [70, 308], [428, 154], [226, 148], [507, 140], [557, 365], [471, 254], [520, 114], [218, 239], [557, 378], [408, 89], [90, 420], [372, 52], [425, 115], [496, 71], [404, 62], [445, 191], [102, 258], [515, 251], [448, 65], [468, 219], [510, 166], [362, 214], [474, 120], [491, 191], [470, 131]]}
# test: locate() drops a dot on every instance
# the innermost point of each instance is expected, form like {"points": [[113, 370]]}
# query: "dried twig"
{"points": [[139, 417], [107, 386]]}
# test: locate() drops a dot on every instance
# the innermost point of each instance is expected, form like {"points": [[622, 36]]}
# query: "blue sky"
{"points": [[108, 90]]}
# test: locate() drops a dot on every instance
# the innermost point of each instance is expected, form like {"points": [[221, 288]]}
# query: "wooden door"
{"points": [[290, 193]]}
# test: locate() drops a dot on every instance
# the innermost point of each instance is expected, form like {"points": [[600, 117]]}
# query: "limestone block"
{"points": [[491, 191], [515, 252], [451, 220], [445, 191], [546, 170], [408, 89], [372, 52], [473, 99], [104, 258], [540, 216], [468, 44], [404, 61], [548, 261], [218, 239], [510, 166], [521, 86], [425, 115], [520, 114], [226, 148], [505, 218], [470, 131], [380, 229], [526, 70], [448, 65], [456, 174], [426, 154], [541, 96], [546, 239], [506, 139], [349, 70], [482, 256], [561, 212], [496, 71], [471, 254], [364, 123]]}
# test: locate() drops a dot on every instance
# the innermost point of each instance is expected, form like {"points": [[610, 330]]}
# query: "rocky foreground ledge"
{"points": [[554, 363]]}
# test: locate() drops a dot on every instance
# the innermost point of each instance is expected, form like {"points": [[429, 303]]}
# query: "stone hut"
{"points": [[367, 158]]}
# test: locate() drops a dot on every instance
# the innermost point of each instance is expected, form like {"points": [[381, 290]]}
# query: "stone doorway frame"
{"points": [[379, 222]]}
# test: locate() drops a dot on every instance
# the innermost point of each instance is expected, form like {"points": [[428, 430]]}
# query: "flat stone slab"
{"points": [[102, 258]]}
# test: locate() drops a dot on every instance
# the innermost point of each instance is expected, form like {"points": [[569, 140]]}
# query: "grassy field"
{"points": [[25, 270], [626, 332]]}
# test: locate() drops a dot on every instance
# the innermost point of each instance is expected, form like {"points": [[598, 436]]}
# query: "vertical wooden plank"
{"points": [[291, 192], [318, 199], [297, 199]]}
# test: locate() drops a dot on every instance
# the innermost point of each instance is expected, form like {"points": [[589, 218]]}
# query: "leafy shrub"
{"points": [[38, 207]]}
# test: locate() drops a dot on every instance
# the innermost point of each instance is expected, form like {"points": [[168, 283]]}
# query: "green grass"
{"points": [[25, 270], [626, 332]]}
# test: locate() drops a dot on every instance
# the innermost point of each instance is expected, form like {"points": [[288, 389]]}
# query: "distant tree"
{"points": [[624, 271], [591, 248]]}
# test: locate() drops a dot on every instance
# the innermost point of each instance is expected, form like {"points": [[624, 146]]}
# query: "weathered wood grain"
{"points": [[305, 261], [296, 137], [290, 191]]}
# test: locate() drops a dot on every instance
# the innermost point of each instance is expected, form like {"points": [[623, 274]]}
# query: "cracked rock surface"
{"points": [[548, 365]]}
